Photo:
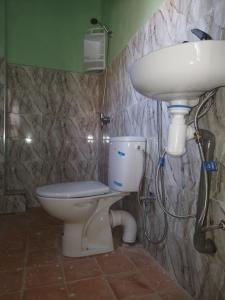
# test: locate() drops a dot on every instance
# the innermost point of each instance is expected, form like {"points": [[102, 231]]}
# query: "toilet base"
{"points": [[74, 244], [88, 252], [95, 235]]}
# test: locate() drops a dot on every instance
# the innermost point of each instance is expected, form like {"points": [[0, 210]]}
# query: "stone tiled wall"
{"points": [[2, 91], [132, 114], [52, 129], [8, 203]]}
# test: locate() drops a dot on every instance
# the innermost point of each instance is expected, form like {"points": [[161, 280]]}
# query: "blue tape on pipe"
{"points": [[121, 153], [117, 183], [209, 166], [162, 161]]}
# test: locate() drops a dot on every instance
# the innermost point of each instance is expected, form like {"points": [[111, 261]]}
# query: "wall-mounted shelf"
{"points": [[94, 50]]}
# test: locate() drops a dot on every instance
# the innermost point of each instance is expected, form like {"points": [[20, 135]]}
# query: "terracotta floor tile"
{"points": [[126, 273], [153, 296], [15, 221], [13, 244], [175, 293], [158, 278], [14, 296], [46, 293], [44, 221], [90, 289], [44, 275], [130, 284], [139, 257], [10, 282], [43, 257], [81, 268], [38, 218], [11, 260], [114, 263], [45, 232], [36, 245], [45, 239], [13, 241]]}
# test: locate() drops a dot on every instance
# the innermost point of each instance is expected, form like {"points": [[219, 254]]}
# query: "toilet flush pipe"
{"points": [[125, 219]]}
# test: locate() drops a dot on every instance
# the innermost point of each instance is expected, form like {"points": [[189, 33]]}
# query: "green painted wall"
{"points": [[125, 17], [2, 28], [49, 33]]}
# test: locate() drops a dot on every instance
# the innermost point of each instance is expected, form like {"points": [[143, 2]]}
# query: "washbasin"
{"points": [[184, 71], [180, 74]]}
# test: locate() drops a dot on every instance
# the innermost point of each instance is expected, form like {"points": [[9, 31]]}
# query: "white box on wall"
{"points": [[94, 49]]}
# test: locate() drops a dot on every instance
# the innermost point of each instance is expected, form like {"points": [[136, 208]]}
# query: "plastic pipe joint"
{"points": [[179, 131]]}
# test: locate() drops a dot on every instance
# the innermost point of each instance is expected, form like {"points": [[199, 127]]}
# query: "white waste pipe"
{"points": [[120, 217], [179, 131]]}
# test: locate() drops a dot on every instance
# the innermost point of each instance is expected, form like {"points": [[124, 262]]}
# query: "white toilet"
{"points": [[85, 206]]}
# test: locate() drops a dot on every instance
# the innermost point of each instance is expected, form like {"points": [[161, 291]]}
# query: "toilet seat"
{"points": [[73, 189]]}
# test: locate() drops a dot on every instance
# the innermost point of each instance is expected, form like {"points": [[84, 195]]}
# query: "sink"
{"points": [[180, 74], [184, 71]]}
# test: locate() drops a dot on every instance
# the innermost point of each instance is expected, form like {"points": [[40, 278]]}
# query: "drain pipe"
{"points": [[125, 219]]}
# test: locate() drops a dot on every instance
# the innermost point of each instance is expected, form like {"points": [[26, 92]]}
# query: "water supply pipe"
{"points": [[125, 219], [201, 242]]}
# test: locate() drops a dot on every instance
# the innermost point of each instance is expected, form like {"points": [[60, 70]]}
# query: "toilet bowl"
{"points": [[87, 226], [84, 206]]}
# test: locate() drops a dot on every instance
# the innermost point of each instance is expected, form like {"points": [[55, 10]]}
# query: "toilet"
{"points": [[84, 206]]}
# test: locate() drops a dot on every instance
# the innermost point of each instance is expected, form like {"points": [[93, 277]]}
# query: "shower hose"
{"points": [[204, 106]]}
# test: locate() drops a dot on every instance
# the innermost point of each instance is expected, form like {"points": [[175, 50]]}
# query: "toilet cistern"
{"points": [[180, 74]]}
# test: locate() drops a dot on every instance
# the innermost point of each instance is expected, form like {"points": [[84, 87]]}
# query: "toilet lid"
{"points": [[73, 189]]}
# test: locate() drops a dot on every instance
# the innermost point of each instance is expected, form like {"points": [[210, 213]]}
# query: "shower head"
{"points": [[95, 21]]}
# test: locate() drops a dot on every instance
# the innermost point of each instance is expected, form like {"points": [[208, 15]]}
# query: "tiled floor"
{"points": [[32, 267]]}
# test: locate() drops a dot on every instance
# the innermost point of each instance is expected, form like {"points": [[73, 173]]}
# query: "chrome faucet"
{"points": [[201, 34]]}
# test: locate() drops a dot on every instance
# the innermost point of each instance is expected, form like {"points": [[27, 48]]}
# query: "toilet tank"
{"points": [[126, 163]]}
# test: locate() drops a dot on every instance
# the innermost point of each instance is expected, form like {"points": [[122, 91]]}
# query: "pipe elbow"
{"points": [[125, 219]]}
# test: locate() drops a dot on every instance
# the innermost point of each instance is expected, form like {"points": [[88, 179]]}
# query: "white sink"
{"points": [[180, 74], [184, 71]]}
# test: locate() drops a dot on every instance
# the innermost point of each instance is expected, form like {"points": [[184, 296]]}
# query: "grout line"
{"points": [[63, 273], [100, 268], [143, 296], [84, 279], [46, 285], [110, 288], [25, 267], [105, 279], [130, 260]]}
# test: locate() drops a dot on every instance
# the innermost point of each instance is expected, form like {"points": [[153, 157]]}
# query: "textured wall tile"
{"points": [[69, 126], [2, 92], [53, 127], [2, 71], [22, 149], [12, 204], [24, 125]]}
